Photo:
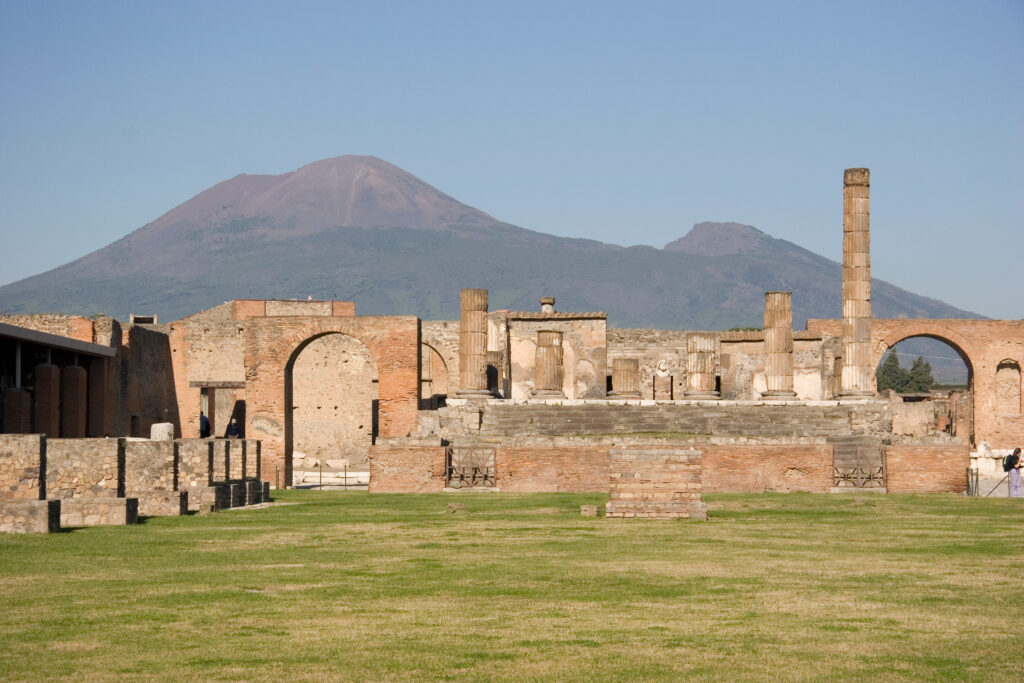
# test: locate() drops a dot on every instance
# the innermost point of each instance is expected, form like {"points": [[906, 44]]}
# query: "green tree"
{"points": [[919, 379], [890, 375]]}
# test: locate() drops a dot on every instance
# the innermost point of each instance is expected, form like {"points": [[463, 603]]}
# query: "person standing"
{"points": [[204, 426], [1015, 465]]}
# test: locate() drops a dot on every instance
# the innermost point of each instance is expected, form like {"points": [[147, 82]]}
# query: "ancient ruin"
{"points": [[510, 400]]}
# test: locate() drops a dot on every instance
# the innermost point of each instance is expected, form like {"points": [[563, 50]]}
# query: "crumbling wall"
{"points": [[584, 344]]}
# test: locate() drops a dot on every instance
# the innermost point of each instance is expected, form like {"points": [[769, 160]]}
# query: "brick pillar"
{"points": [[73, 395], [778, 345], [548, 371], [701, 365], [98, 419], [858, 377], [625, 378], [17, 412], [473, 344], [46, 407]]}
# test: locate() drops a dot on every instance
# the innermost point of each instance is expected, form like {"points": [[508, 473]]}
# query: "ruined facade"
{"points": [[539, 400]]}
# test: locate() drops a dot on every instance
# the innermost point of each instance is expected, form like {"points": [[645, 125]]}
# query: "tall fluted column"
{"points": [[625, 378], [473, 344], [549, 372], [858, 374], [778, 345], [701, 365]]}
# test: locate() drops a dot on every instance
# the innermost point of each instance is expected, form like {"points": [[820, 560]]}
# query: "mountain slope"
{"points": [[358, 228]]}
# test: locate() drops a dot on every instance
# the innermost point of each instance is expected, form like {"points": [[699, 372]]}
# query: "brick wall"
{"points": [[750, 468], [406, 469], [552, 468], [655, 483], [22, 467], [926, 468]]}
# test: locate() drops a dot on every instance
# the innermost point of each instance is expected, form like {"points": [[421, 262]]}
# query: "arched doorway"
{"points": [[433, 378], [934, 378], [331, 401]]}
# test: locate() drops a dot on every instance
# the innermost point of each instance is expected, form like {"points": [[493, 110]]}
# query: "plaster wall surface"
{"points": [[584, 346]]}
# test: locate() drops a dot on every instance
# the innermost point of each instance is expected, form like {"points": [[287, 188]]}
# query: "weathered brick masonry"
{"points": [[406, 466], [927, 469]]}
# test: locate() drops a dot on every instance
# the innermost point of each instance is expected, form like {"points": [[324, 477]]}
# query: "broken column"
{"points": [[858, 374], [473, 344], [625, 378], [778, 345], [549, 373], [701, 365]]}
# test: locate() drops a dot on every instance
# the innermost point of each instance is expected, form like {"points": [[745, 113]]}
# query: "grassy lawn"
{"points": [[378, 587]]}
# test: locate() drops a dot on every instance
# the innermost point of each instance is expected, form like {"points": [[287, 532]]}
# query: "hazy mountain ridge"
{"points": [[360, 229]]}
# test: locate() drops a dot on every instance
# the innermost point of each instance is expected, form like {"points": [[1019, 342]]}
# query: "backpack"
{"points": [[1010, 461]]}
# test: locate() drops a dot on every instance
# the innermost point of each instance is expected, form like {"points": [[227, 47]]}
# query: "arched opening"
{"points": [[433, 378], [331, 399], [1008, 389], [934, 379]]}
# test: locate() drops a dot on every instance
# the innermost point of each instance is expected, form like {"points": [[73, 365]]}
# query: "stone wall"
{"points": [[195, 474], [29, 516], [584, 347], [927, 468], [72, 326], [406, 466], [22, 467], [151, 476], [85, 468], [661, 353]]}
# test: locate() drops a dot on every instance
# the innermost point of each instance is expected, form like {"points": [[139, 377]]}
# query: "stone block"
{"points": [[237, 489], [161, 431], [162, 503], [22, 467], [99, 511], [253, 492], [266, 492], [29, 516], [85, 468]]}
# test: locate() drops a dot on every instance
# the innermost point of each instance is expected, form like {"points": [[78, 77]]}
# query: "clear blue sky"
{"points": [[622, 122]]}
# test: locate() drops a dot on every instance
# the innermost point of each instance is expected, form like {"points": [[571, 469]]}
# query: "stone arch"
{"points": [[447, 347], [947, 336], [1008, 388], [331, 401], [435, 377]]}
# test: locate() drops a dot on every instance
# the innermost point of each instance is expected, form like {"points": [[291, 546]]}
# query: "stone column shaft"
{"points": [[778, 345], [549, 372], [701, 365], [858, 374], [46, 402], [473, 344], [625, 378], [73, 394]]}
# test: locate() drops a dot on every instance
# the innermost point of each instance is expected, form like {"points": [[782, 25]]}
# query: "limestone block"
{"points": [[161, 431], [162, 503], [29, 516], [99, 511]]}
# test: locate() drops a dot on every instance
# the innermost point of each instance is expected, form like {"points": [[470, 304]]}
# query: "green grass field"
{"points": [[331, 585]]}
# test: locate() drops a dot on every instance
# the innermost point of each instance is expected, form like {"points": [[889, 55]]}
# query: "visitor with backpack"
{"points": [[1012, 464]]}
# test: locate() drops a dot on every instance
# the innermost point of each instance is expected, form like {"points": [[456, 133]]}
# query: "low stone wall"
{"points": [[221, 464], [150, 466], [406, 468], [927, 468], [195, 475], [757, 468], [29, 516], [85, 468], [542, 468], [236, 459], [99, 511], [655, 483], [22, 467], [253, 456]]}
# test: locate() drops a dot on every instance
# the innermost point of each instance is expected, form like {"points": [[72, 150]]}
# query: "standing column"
{"points": [[46, 406], [73, 393], [625, 378], [98, 421], [473, 344], [701, 365], [778, 345], [858, 374], [549, 373]]}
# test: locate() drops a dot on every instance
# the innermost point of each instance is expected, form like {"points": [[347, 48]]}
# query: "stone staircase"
{"points": [[726, 419]]}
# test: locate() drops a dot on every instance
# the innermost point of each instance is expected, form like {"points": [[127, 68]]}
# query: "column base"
{"points": [[547, 393], [709, 395], [778, 395], [624, 394], [474, 393]]}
